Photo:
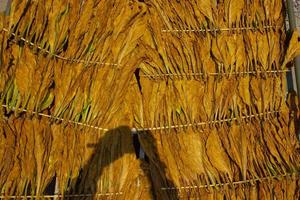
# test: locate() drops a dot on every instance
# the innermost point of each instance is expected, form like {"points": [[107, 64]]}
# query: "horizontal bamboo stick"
{"points": [[215, 73], [55, 55], [222, 29], [58, 195], [151, 128], [233, 183]]}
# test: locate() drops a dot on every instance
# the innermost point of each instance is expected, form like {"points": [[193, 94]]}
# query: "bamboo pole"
{"points": [[5, 6], [293, 26]]}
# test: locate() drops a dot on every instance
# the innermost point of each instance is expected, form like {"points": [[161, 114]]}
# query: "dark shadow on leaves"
{"points": [[107, 150]]}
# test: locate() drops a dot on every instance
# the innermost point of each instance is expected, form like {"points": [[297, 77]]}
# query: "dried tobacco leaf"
{"points": [[201, 94]]}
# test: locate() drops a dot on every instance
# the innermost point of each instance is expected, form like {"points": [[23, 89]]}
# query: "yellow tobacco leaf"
{"points": [[263, 50], [205, 7], [243, 89], [234, 10], [216, 153], [293, 49], [24, 71]]}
